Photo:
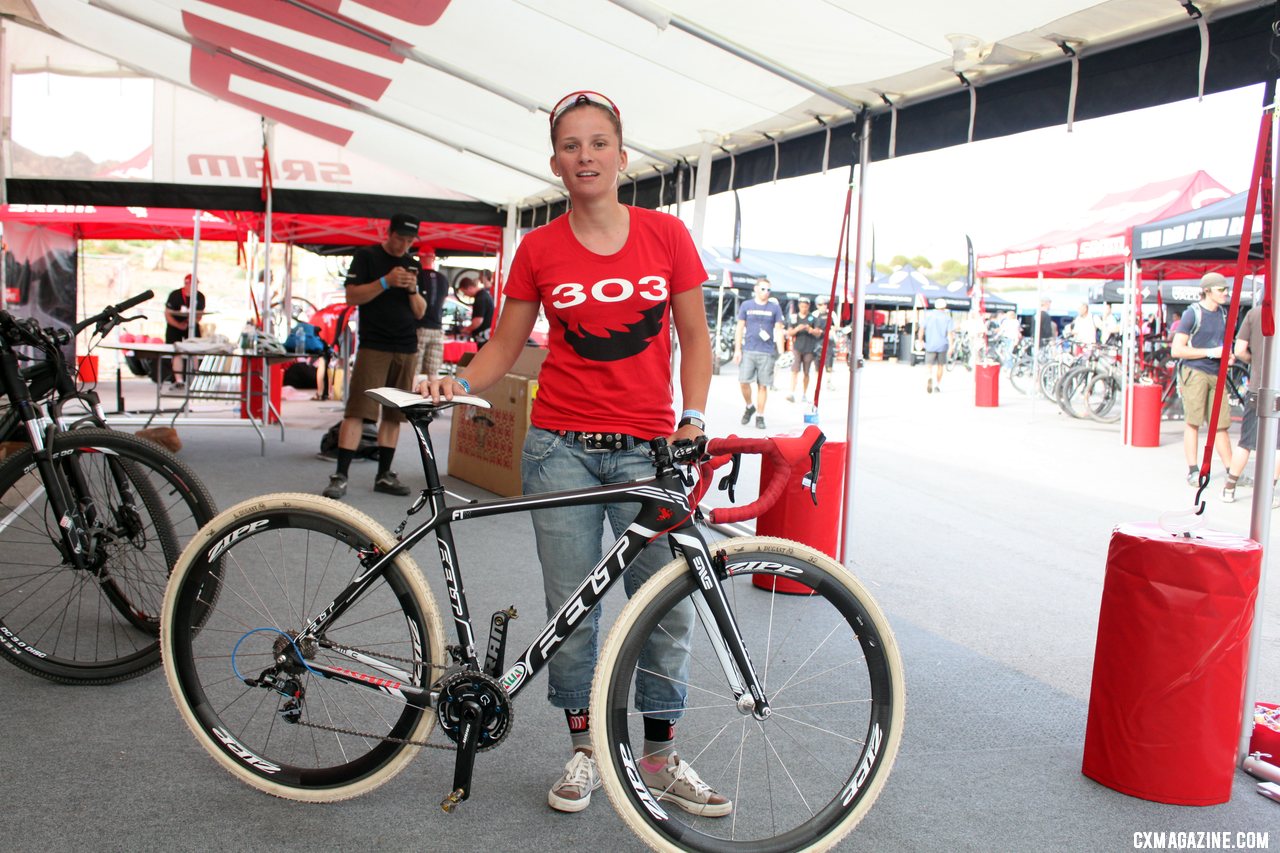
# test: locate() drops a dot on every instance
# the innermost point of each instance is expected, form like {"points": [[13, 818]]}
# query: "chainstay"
{"points": [[329, 644], [387, 738]]}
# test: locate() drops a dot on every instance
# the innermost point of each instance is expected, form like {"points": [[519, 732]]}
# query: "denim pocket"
{"points": [[539, 444]]}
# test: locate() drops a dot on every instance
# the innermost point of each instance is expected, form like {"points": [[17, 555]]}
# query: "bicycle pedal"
{"points": [[451, 802]]}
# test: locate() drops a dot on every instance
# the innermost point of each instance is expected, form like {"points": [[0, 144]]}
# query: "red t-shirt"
{"points": [[609, 365]]}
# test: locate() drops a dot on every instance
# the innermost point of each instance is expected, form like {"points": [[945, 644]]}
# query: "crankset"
{"points": [[475, 712]]}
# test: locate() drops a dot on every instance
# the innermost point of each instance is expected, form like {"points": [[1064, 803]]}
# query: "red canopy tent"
{"points": [[89, 222], [1100, 242]]}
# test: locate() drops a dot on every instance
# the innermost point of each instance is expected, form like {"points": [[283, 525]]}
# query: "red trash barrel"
{"points": [[87, 368], [794, 516], [1168, 672], [988, 382], [1145, 416], [251, 388]]}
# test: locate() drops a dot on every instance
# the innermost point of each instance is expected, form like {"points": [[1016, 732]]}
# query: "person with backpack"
{"points": [[1197, 341]]}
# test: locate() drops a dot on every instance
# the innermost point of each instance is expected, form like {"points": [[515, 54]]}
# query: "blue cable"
{"points": [[236, 669]]}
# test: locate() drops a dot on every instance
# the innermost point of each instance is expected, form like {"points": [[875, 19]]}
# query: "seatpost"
{"points": [[421, 422]]}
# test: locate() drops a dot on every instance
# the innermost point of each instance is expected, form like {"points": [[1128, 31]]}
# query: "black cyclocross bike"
{"points": [[91, 520], [305, 651]]}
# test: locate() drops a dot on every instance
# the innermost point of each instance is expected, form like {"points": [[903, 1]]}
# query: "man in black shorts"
{"points": [[383, 281], [806, 342]]}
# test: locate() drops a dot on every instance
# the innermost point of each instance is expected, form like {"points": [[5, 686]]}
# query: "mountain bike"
{"points": [[91, 520], [305, 651]]}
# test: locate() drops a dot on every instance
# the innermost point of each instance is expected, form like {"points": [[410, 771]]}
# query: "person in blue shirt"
{"points": [[938, 331], [756, 348]]}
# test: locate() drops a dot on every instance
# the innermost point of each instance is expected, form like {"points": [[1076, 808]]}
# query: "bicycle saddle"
{"points": [[397, 399]]}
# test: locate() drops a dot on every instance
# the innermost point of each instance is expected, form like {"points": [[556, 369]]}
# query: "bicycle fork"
{"points": [[721, 626]]}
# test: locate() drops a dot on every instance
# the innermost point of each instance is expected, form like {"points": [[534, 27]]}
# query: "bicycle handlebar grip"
{"points": [[769, 494], [136, 300], [114, 309]]}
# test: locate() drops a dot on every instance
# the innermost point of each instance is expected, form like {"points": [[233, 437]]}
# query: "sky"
{"points": [[1002, 191]]}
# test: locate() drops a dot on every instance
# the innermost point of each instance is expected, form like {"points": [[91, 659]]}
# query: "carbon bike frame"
{"points": [[664, 509]]}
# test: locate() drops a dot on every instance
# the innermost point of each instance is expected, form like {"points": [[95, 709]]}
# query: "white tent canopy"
{"points": [[455, 94]]}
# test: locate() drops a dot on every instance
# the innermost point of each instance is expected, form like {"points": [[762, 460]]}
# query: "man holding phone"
{"points": [[383, 281]]}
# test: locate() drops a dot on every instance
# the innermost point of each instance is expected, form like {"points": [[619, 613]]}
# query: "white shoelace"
{"points": [[685, 773], [579, 772]]}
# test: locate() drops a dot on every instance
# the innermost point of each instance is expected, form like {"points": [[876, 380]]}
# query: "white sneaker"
{"points": [[1228, 495], [677, 783], [573, 792]]}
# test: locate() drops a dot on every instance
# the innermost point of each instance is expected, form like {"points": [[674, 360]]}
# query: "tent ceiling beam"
{"points": [[662, 19]]}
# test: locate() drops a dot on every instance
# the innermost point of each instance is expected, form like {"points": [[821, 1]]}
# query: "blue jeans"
{"points": [[570, 544]]}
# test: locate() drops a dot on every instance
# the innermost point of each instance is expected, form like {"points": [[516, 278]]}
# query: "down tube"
{"points": [[577, 607]]}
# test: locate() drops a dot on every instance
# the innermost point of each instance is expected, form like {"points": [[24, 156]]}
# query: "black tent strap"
{"points": [[1156, 71], [142, 194]]}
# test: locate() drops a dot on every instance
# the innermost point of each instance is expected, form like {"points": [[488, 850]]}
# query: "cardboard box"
{"points": [[485, 444]]}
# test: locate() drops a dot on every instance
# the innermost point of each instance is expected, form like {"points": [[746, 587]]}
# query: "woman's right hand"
{"points": [[440, 388]]}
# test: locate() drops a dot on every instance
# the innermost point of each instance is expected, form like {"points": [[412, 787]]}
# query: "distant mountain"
{"points": [[29, 164]]}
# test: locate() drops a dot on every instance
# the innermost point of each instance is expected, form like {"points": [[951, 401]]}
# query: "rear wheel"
{"points": [[137, 505], [801, 778], [242, 672]]}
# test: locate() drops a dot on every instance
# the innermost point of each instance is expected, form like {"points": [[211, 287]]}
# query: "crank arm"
{"points": [[466, 761]]}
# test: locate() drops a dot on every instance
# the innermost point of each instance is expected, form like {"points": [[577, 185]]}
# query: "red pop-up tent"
{"points": [[1099, 242]]}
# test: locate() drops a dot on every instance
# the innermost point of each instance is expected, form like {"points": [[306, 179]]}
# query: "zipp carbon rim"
{"points": [[138, 506], [804, 776], [250, 581]]}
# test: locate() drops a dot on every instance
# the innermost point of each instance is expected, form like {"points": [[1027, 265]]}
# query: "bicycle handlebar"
{"points": [[112, 313], [783, 452]]}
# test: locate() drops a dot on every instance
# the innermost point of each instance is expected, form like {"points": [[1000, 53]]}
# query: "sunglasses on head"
{"points": [[573, 99], [1221, 288]]}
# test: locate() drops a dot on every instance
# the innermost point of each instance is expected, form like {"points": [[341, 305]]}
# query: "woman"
{"points": [[613, 280]]}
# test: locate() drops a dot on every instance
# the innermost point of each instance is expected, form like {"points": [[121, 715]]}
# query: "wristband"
{"points": [[693, 413], [466, 386], [691, 421], [384, 282]]}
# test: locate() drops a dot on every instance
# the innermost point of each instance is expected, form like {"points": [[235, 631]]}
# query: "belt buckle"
{"points": [[594, 442]]}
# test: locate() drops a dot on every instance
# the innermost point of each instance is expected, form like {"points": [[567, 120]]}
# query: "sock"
{"points": [[1193, 469], [1231, 480], [579, 727], [659, 743], [344, 460], [384, 459]]}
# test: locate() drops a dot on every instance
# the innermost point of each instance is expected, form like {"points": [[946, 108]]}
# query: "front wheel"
{"points": [[95, 619], [801, 778], [242, 670]]}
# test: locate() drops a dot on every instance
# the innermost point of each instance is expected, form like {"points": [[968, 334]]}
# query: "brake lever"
{"points": [[728, 481], [815, 465]]}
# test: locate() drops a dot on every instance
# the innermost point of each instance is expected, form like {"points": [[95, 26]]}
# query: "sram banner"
{"points": [[352, 112]]}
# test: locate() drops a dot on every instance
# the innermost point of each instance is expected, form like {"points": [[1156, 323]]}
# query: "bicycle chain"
{"points": [[385, 738]]}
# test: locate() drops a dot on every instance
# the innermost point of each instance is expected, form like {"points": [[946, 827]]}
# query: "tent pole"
{"points": [[702, 188], [1126, 353], [195, 275], [855, 346], [1263, 485], [268, 150], [6, 119], [1035, 344]]}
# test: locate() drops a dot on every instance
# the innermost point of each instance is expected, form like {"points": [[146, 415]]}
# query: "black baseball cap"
{"points": [[404, 225]]}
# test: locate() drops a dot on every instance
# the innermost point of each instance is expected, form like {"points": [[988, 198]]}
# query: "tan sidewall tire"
{"points": [[615, 786], [377, 534]]}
